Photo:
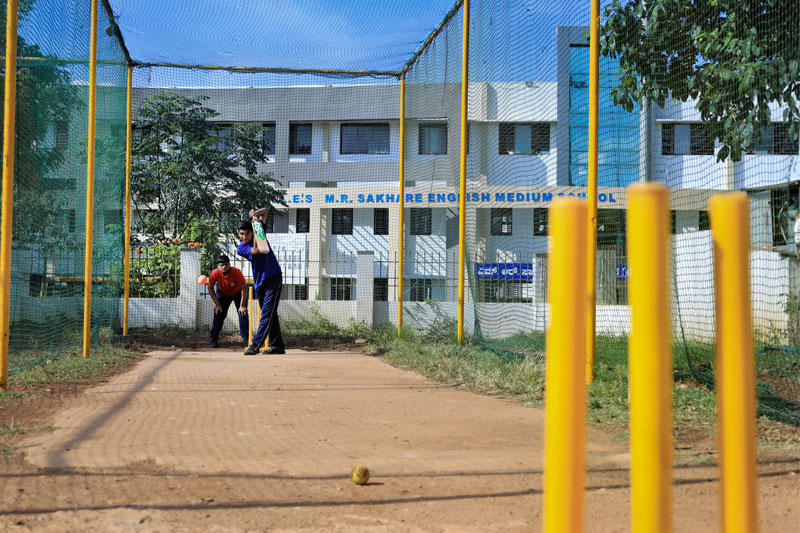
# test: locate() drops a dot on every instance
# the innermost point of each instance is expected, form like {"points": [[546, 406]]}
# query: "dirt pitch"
{"points": [[213, 440]]}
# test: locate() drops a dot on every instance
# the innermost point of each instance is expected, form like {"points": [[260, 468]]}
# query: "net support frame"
{"points": [[462, 199], [8, 186], [591, 260], [127, 243], [87, 275], [401, 214]]}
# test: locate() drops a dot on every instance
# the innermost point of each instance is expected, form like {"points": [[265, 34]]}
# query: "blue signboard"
{"points": [[504, 271], [622, 272]]}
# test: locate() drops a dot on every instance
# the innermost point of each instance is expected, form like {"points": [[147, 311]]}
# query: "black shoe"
{"points": [[251, 350], [275, 351], [213, 344]]}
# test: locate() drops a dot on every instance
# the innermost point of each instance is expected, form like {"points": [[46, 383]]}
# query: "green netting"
{"points": [[312, 131], [528, 143], [50, 182]]}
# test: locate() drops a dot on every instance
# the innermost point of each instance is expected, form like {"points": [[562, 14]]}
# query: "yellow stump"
{"points": [[735, 364], [565, 392], [650, 361], [250, 317]]}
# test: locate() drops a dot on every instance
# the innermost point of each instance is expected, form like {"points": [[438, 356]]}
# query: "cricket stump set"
{"points": [[650, 364]]}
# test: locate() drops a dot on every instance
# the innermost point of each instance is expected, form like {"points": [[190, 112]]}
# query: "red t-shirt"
{"points": [[230, 283]]}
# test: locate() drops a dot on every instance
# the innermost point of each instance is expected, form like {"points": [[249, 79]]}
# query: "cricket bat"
{"points": [[260, 237]]}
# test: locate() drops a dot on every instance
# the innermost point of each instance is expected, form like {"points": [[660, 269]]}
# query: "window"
{"points": [[774, 140], [421, 290], [380, 289], [501, 221], [269, 224], [38, 285], [540, 223], [783, 206], [61, 135], [301, 291], [56, 136], [112, 220], [220, 132], [524, 139], [300, 138], [420, 220], [341, 289], [685, 139], [342, 221], [67, 217], [704, 223], [505, 290], [303, 223], [268, 139], [433, 138], [364, 139], [380, 224]]}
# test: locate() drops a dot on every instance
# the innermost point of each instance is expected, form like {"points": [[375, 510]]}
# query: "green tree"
{"points": [[45, 95], [735, 57], [189, 181]]}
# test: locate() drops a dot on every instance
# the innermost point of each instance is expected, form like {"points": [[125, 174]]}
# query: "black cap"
{"points": [[223, 259]]}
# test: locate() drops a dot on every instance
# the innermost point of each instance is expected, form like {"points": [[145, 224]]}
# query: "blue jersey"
{"points": [[264, 265]]}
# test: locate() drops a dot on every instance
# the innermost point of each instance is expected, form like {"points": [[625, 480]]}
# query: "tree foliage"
{"points": [[734, 57], [44, 96], [187, 180]]}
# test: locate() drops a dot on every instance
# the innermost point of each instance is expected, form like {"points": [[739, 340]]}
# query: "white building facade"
{"points": [[336, 154]]}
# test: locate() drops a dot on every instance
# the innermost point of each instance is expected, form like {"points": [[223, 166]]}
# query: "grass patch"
{"points": [[470, 366], [8, 451], [12, 429], [522, 377], [73, 368]]}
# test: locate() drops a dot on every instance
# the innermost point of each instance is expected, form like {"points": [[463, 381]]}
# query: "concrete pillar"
{"points": [[730, 174], [365, 267], [282, 142], [317, 240], [326, 142], [760, 220], [189, 296], [393, 249], [481, 130]]}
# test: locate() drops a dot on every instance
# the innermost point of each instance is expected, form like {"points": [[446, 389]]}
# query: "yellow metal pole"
{"points": [[462, 199], [129, 131], [87, 265], [565, 392], [591, 278], [650, 360], [401, 213], [250, 321], [8, 186], [730, 222]]}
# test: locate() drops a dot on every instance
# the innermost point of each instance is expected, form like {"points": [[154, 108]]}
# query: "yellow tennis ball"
{"points": [[359, 474]]}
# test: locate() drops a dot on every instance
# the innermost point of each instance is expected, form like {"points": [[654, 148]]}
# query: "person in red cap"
{"points": [[226, 285]]}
